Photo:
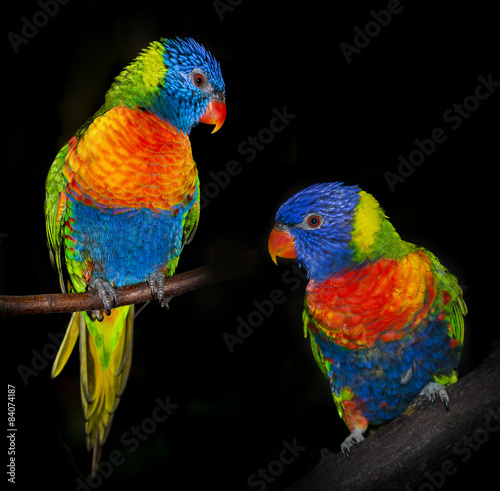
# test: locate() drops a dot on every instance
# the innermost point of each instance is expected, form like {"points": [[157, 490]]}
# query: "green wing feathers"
{"points": [[454, 305], [55, 209], [191, 219]]}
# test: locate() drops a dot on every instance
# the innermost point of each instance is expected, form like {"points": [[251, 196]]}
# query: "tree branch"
{"points": [[424, 441], [76, 302]]}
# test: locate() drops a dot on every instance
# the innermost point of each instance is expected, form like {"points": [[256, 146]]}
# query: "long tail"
{"points": [[105, 360]]}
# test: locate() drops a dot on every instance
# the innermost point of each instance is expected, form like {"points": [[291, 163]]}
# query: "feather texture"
{"points": [[384, 317], [105, 360], [122, 199]]}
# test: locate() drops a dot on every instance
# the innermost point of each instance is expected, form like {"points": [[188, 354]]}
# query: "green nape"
{"points": [[373, 236], [137, 85]]}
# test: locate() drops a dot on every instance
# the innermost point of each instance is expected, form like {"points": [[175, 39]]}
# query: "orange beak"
{"points": [[215, 114], [281, 244]]}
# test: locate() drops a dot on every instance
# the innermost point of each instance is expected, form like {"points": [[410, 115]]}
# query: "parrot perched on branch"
{"points": [[122, 199], [385, 319]]}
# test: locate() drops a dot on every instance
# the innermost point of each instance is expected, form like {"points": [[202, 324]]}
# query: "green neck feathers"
{"points": [[373, 236]]}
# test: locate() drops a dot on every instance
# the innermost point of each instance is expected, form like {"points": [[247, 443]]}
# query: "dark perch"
{"points": [[425, 438], [174, 286]]}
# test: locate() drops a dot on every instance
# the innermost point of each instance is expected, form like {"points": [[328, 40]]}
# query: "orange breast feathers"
{"points": [[385, 300], [130, 158]]}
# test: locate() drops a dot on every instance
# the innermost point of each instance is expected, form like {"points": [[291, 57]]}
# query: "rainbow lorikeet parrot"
{"points": [[384, 317], [122, 199]]}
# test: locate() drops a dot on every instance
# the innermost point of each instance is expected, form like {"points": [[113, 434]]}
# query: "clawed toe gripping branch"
{"points": [[106, 293], [91, 300], [425, 444]]}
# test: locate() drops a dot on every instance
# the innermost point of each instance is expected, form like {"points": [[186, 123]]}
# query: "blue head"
{"points": [[315, 227], [193, 90], [330, 227], [178, 80]]}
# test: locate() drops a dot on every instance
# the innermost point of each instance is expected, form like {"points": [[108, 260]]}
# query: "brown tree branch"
{"points": [[424, 444], [76, 302]]}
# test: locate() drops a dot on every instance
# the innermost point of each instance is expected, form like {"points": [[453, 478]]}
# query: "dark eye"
{"points": [[314, 221], [199, 80]]}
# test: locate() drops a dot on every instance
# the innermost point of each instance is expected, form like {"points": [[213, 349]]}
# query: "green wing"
{"points": [[324, 365], [318, 356], [55, 210], [189, 228], [455, 309], [191, 219]]}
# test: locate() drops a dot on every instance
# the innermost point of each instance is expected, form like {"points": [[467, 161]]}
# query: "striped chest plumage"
{"points": [[122, 199], [384, 317], [380, 333], [131, 182], [128, 158], [385, 300]]}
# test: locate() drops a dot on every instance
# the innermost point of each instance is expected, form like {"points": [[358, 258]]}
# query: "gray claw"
{"points": [[106, 293], [355, 438], [97, 315], [156, 282], [433, 389]]}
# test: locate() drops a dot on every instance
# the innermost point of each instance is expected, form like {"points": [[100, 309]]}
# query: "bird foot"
{"points": [[106, 293], [355, 438], [433, 389], [156, 282]]}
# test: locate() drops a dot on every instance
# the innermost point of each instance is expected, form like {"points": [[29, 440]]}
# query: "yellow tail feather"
{"points": [[101, 388], [67, 345]]}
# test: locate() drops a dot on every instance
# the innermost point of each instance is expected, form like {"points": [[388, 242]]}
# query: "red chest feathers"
{"points": [[129, 158], [385, 300]]}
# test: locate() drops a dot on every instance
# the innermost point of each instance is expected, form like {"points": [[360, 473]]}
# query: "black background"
{"points": [[352, 122]]}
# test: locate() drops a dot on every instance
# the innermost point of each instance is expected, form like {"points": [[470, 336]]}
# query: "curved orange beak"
{"points": [[215, 114], [281, 244]]}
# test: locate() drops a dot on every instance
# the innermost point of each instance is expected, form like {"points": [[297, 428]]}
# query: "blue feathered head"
{"points": [[315, 227], [193, 89], [178, 80], [330, 227]]}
